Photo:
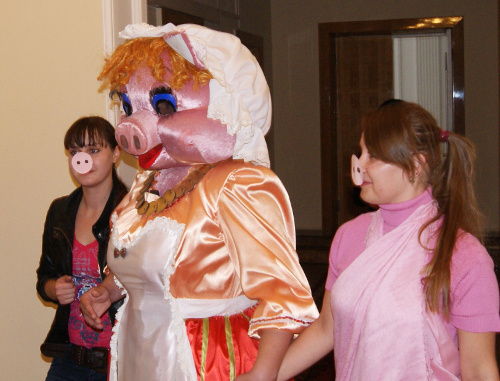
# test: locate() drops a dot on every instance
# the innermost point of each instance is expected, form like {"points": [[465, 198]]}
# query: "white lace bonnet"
{"points": [[239, 94]]}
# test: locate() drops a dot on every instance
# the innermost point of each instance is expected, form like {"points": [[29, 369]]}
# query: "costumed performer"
{"points": [[203, 246]]}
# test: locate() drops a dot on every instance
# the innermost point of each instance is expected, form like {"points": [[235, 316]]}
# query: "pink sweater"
{"points": [[474, 304]]}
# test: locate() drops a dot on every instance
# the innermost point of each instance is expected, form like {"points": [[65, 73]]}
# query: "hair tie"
{"points": [[443, 135]]}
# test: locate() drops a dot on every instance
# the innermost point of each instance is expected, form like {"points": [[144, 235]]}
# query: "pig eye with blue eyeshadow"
{"points": [[127, 106], [163, 101]]}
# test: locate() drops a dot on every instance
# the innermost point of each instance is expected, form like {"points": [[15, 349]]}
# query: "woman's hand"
{"points": [[96, 301], [93, 304], [61, 289]]}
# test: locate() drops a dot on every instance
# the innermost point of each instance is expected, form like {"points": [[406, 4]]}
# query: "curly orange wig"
{"points": [[137, 52]]}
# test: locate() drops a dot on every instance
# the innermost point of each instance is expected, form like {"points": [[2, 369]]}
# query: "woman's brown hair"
{"points": [[91, 130], [400, 133], [97, 129]]}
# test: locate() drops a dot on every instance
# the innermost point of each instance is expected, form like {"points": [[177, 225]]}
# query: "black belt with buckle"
{"points": [[92, 358]]}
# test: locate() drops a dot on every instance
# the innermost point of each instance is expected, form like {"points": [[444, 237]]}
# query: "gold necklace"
{"points": [[171, 196]]}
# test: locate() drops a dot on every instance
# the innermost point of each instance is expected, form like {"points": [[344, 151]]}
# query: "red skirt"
{"points": [[221, 346]]}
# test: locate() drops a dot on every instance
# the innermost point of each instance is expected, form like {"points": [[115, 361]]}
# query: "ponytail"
{"points": [[452, 188], [398, 132]]}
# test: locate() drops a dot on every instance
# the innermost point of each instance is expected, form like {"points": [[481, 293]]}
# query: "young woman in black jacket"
{"points": [[73, 259]]}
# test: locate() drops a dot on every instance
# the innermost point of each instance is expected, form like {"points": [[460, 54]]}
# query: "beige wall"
{"points": [[51, 54], [296, 89]]}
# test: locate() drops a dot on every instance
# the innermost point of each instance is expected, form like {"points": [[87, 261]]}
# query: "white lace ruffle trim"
{"points": [[163, 226]]}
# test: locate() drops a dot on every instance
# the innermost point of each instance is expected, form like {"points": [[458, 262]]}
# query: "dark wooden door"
{"points": [[364, 80], [178, 18]]}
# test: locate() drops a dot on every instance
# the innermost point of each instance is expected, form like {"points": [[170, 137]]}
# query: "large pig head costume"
{"points": [[171, 120], [204, 242]]}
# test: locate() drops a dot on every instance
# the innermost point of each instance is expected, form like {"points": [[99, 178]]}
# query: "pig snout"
{"points": [[135, 138], [131, 139]]}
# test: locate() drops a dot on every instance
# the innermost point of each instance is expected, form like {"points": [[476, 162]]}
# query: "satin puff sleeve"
{"points": [[256, 219]]}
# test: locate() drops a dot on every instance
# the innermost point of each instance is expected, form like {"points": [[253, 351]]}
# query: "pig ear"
{"points": [[180, 42]]}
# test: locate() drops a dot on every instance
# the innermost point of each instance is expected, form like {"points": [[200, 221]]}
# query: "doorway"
{"points": [[357, 73]]}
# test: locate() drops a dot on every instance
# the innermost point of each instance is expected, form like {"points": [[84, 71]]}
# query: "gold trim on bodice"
{"points": [[171, 196]]}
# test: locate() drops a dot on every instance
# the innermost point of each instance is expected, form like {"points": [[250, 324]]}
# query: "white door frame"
{"points": [[116, 14]]}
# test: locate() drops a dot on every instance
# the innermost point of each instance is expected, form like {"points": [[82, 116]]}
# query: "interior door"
{"points": [[364, 80]]}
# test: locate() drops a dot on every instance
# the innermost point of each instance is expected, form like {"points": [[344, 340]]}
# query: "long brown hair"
{"points": [[400, 132]]}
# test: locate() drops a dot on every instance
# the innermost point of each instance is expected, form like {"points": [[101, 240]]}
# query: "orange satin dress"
{"points": [[235, 242]]}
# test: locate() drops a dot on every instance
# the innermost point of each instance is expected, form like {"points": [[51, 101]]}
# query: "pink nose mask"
{"points": [[356, 175], [82, 162]]}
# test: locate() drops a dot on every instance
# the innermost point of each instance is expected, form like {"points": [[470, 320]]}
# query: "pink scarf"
{"points": [[383, 330]]}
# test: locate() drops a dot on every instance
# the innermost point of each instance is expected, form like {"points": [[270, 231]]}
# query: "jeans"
{"points": [[63, 369]]}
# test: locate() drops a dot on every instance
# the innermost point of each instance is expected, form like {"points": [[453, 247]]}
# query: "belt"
{"points": [[93, 358]]}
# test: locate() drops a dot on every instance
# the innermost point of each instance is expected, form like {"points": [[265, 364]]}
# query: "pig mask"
{"points": [[167, 126]]}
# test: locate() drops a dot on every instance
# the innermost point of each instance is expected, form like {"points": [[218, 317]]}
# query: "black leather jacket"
{"points": [[57, 258]]}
